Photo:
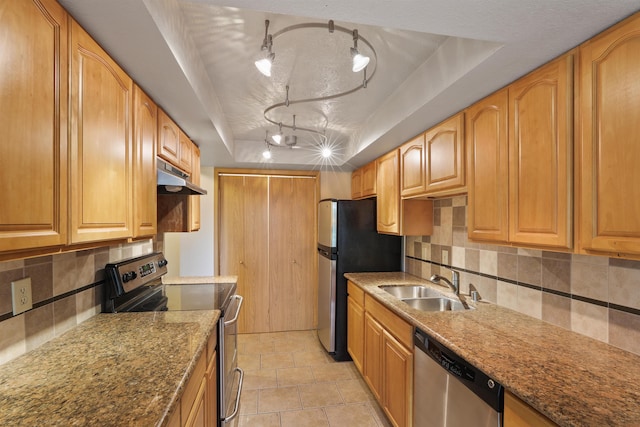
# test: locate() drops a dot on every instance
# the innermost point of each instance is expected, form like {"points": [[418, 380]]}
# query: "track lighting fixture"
{"points": [[277, 137], [360, 61], [264, 63]]}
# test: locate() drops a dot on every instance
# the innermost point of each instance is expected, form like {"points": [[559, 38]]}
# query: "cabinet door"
{"points": [[373, 354], [519, 414], [145, 115], [445, 156], [211, 403], [292, 253], [610, 152], [488, 168], [540, 154], [398, 381], [356, 184], [244, 245], [194, 201], [197, 416], [412, 167], [33, 119], [355, 332], [369, 179], [185, 153], [168, 139], [388, 188], [101, 143]]}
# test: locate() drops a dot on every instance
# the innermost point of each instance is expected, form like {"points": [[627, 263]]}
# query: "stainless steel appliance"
{"points": [[448, 391], [347, 243], [136, 285]]}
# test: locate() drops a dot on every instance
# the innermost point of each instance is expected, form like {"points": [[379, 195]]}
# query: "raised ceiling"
{"points": [[195, 58]]}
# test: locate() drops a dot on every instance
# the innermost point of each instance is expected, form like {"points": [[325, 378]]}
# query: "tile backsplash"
{"points": [[591, 295], [67, 290]]}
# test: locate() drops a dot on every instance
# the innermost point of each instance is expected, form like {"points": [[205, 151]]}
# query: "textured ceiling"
{"points": [[195, 58]]}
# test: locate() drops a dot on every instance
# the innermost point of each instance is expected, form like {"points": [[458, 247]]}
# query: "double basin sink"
{"points": [[424, 298]]}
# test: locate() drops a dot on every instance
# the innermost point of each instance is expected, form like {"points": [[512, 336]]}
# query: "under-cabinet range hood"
{"points": [[174, 181]]}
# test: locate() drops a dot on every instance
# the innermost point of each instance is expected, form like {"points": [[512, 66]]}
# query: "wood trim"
{"points": [[397, 327]]}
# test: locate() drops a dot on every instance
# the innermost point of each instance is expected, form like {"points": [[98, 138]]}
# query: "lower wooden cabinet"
{"points": [[519, 414], [381, 342]]}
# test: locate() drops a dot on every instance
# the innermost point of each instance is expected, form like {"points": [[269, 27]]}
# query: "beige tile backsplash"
{"points": [[591, 295], [60, 302]]}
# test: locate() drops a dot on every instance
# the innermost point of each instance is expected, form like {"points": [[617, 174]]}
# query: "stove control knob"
{"points": [[129, 276], [162, 262]]}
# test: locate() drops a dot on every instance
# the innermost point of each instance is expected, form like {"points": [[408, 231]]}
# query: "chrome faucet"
{"points": [[455, 278]]}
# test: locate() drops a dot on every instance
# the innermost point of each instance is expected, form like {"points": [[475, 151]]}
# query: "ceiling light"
{"points": [[277, 137], [326, 152], [266, 154], [360, 61], [264, 63]]}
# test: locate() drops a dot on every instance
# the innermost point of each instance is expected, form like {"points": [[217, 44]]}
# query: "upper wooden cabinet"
{"points": [[412, 167], [541, 155], [444, 149], [363, 181], [520, 151], [145, 115], [168, 139], [101, 143], [388, 193], [609, 152], [488, 168], [186, 152], [33, 119]]}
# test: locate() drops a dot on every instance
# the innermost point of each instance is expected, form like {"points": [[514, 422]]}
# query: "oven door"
{"points": [[231, 376]]}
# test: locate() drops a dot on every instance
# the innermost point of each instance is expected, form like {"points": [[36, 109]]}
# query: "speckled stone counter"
{"points": [[572, 379], [125, 369], [194, 280]]}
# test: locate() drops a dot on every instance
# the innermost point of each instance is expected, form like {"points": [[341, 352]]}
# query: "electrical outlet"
{"points": [[445, 257], [21, 295]]}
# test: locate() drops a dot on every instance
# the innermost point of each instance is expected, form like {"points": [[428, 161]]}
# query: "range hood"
{"points": [[174, 181]]}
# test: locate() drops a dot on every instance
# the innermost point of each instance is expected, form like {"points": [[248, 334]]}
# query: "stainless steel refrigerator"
{"points": [[347, 243]]}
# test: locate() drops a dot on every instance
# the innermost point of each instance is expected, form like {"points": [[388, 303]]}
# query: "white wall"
{"points": [[191, 254], [335, 185]]}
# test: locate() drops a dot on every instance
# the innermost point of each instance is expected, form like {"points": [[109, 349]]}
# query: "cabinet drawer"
{"points": [[400, 329], [355, 292], [193, 386]]}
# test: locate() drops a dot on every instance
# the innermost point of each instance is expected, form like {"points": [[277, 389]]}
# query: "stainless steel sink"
{"points": [[410, 291], [435, 304]]}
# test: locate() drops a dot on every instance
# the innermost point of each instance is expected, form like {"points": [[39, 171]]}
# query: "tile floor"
{"points": [[290, 381]]}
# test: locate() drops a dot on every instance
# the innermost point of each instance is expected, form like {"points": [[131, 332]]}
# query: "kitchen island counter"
{"points": [[111, 370], [572, 379]]}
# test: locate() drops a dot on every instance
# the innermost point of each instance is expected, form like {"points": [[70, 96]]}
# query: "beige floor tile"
{"points": [[360, 415], [255, 347], [278, 399], [304, 418], [379, 414], [249, 402], [245, 338], [260, 420], [311, 358], [259, 379], [317, 395], [272, 336], [294, 376], [276, 360], [249, 362], [333, 372], [298, 345], [354, 391]]}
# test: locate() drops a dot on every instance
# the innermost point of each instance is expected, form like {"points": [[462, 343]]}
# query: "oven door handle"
{"points": [[235, 318], [237, 404]]}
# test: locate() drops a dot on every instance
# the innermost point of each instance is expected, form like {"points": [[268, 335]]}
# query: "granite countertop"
{"points": [[572, 379], [111, 370], [194, 280]]}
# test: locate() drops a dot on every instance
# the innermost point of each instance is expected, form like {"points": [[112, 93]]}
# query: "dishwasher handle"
{"points": [[235, 318]]}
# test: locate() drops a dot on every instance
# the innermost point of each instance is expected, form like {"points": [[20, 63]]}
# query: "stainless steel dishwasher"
{"points": [[448, 391]]}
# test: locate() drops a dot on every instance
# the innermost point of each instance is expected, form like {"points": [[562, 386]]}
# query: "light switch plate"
{"points": [[21, 295]]}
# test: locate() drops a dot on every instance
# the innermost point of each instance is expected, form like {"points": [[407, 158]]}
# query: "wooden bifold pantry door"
{"points": [[267, 237]]}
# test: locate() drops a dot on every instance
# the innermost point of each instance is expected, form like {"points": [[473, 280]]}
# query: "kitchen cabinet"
{"points": [[363, 181], [355, 325], [523, 132], [412, 167], [541, 155], [186, 151], [488, 168], [33, 118], [168, 139], [388, 361], [211, 400], [194, 201], [444, 161], [145, 115], [608, 149], [267, 237], [412, 217], [519, 414], [100, 169]]}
